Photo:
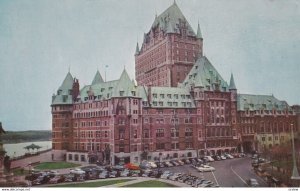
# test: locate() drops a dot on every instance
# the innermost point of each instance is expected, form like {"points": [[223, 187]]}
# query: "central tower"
{"points": [[169, 50]]}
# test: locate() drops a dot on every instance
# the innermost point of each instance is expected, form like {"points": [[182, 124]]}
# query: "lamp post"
{"points": [[160, 154], [295, 174]]}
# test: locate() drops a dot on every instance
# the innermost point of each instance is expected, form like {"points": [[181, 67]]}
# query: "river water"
{"points": [[17, 149]]}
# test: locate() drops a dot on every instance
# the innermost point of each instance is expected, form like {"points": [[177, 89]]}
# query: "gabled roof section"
{"points": [[125, 87], [64, 92], [258, 102], [97, 79], [204, 75], [232, 84], [170, 19]]}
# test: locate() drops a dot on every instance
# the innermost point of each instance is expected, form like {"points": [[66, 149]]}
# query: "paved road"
{"points": [[229, 173]]}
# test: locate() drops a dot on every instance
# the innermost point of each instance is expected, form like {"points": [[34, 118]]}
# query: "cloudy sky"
{"points": [[259, 41]]}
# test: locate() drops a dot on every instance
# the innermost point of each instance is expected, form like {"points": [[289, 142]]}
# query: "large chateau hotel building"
{"points": [[181, 106]]}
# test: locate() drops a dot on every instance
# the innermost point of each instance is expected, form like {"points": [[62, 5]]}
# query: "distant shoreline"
{"points": [[12, 137]]}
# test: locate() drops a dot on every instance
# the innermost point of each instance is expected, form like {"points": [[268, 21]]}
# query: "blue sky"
{"points": [[259, 41]]}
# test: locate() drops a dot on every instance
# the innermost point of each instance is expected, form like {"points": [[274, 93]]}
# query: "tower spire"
{"points": [[199, 34], [137, 50], [232, 84]]}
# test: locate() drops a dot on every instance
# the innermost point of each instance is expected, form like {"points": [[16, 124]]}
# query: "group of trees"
{"points": [[25, 136]]}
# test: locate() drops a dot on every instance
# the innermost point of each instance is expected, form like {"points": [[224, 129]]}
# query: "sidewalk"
{"points": [[142, 179]]}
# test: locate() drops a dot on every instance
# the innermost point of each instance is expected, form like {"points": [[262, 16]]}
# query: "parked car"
{"points": [[209, 158], [205, 168], [156, 174], [112, 174], [152, 164], [186, 161], [77, 171], [168, 164], [175, 176], [125, 173], [216, 158], [228, 156], [118, 167], [180, 162], [223, 157], [183, 178], [56, 179], [174, 163], [69, 177], [165, 175], [103, 175], [253, 182]]}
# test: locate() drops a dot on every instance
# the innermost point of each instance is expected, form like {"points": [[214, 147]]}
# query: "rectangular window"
{"points": [[188, 132], [174, 132], [146, 133], [121, 148], [175, 145], [160, 146], [160, 132], [189, 145], [122, 133]]}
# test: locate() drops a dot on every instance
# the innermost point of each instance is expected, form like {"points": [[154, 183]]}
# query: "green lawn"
{"points": [[151, 183], [95, 184], [20, 172], [55, 165]]}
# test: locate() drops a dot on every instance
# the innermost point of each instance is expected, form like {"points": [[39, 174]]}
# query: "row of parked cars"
{"points": [[191, 180], [179, 162]]}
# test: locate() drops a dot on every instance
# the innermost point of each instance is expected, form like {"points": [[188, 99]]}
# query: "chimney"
{"points": [[75, 89]]}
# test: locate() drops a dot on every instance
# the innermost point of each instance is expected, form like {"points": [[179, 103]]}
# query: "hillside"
{"points": [[25, 136]]}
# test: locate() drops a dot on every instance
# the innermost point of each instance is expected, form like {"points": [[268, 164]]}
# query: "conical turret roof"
{"points": [[232, 84], [97, 79], [67, 83]]}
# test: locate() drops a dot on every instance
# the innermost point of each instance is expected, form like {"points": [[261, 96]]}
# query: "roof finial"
{"points": [[174, 2], [69, 68]]}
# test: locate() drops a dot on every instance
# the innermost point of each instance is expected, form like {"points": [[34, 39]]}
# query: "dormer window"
{"points": [[121, 93], [59, 92], [99, 96], [110, 88], [183, 96], [162, 96], [160, 103], [133, 93], [169, 96], [102, 89], [70, 92], [154, 95], [176, 96]]}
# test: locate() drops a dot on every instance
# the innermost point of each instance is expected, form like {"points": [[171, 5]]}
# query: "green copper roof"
{"points": [[170, 19], [257, 102], [123, 87], [232, 84], [97, 79], [64, 92], [203, 74], [171, 97], [199, 34]]}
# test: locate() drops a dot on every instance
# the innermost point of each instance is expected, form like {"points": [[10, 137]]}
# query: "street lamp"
{"points": [[295, 174], [160, 154]]}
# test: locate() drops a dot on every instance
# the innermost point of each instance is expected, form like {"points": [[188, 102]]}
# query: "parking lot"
{"points": [[232, 172], [229, 173]]}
